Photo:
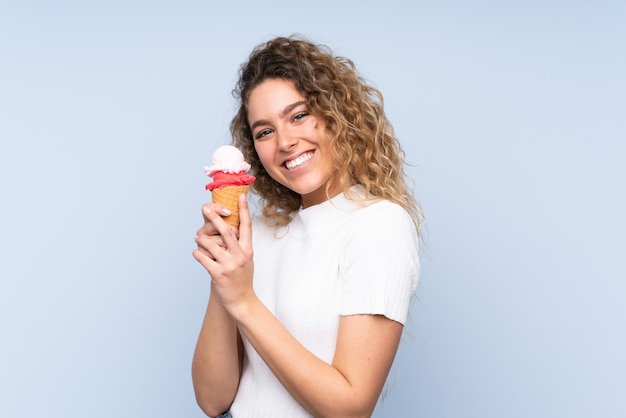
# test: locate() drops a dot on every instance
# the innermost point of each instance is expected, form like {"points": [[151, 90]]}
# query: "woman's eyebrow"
{"points": [[286, 110], [292, 106]]}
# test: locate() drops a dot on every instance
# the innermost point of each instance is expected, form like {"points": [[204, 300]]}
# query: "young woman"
{"points": [[308, 299]]}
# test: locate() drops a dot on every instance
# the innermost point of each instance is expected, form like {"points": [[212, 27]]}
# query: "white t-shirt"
{"points": [[336, 258]]}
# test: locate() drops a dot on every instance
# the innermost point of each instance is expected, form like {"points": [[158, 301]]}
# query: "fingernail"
{"points": [[226, 212]]}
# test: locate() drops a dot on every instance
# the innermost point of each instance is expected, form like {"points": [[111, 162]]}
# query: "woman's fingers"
{"points": [[213, 236], [231, 249], [208, 228], [210, 246], [245, 225], [217, 225], [214, 207]]}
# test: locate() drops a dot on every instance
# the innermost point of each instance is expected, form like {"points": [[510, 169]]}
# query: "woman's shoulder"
{"points": [[383, 210]]}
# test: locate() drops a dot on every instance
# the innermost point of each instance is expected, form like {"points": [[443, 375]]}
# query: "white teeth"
{"points": [[298, 161]]}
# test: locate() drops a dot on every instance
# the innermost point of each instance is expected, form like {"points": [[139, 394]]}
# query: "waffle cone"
{"points": [[229, 198]]}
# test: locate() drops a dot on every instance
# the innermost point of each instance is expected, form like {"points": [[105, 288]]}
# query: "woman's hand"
{"points": [[208, 229], [227, 254]]}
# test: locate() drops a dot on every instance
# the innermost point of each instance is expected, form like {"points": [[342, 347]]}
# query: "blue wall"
{"points": [[511, 114]]}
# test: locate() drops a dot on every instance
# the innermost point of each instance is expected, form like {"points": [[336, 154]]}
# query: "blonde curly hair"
{"points": [[365, 149]]}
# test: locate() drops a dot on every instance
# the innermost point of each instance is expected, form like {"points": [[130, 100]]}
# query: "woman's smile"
{"points": [[299, 161]]}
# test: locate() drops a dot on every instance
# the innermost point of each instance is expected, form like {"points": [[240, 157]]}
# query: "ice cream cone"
{"points": [[229, 198]]}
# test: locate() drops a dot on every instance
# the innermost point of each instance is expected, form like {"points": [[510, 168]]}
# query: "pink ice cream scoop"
{"points": [[228, 168], [230, 176]]}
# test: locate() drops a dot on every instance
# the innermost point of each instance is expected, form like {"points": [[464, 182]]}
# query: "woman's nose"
{"points": [[286, 139]]}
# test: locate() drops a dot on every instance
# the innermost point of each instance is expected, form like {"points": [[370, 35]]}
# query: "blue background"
{"points": [[512, 115]]}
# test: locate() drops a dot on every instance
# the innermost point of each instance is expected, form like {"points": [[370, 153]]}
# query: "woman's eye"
{"points": [[300, 116], [262, 133]]}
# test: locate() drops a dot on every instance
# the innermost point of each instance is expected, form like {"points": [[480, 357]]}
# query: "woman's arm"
{"points": [[217, 360], [351, 385], [218, 357], [366, 345]]}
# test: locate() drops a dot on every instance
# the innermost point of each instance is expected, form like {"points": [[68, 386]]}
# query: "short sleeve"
{"points": [[379, 267]]}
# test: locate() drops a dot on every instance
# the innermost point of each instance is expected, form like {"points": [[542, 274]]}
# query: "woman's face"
{"points": [[291, 142]]}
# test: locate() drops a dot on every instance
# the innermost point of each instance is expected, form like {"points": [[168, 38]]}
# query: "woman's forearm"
{"points": [[347, 389], [217, 360]]}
